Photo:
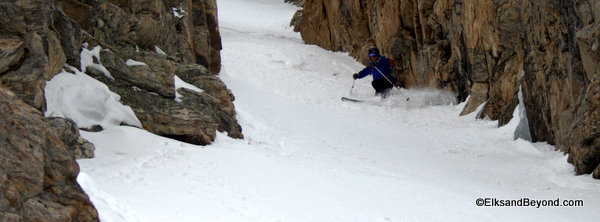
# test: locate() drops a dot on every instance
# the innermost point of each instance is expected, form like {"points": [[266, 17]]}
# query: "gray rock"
{"points": [[213, 86], [69, 33], [299, 3], [150, 89], [194, 120], [12, 51], [38, 175], [584, 139], [157, 77], [296, 21], [67, 130]]}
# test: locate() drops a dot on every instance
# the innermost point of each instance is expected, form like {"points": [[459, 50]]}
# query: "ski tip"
{"points": [[351, 100]]}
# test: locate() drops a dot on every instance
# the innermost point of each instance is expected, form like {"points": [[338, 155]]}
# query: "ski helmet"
{"points": [[373, 51]]}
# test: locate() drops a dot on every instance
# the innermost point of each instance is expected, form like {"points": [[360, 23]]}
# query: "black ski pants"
{"points": [[381, 86]]}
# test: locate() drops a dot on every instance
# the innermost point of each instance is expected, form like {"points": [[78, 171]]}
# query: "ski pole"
{"points": [[386, 78], [352, 86]]}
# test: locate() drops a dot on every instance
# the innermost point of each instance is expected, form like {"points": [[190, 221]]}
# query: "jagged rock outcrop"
{"points": [[67, 130], [187, 33], [156, 76], [38, 37], [297, 20], [187, 30], [195, 119], [38, 174], [555, 80], [486, 50], [583, 139]]}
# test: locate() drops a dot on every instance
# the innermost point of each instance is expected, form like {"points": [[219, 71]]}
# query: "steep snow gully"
{"points": [[308, 156]]}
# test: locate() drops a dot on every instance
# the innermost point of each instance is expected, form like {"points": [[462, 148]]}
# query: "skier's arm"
{"points": [[363, 73]]}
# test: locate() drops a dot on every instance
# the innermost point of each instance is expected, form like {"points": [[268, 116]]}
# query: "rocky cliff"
{"points": [[175, 37], [486, 51], [37, 172], [38, 38]]}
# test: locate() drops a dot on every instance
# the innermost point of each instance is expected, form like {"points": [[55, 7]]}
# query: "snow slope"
{"points": [[308, 156]]}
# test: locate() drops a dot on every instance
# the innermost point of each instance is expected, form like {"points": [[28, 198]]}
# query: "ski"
{"points": [[351, 100]]}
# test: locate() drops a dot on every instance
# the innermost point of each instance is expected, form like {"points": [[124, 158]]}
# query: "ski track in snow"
{"points": [[308, 156]]}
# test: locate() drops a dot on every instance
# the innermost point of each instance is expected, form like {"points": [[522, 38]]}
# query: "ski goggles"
{"points": [[372, 54]]}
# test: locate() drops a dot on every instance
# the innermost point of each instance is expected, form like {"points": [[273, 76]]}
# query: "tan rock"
{"points": [[584, 139], [38, 173], [479, 95], [11, 51], [485, 49]]}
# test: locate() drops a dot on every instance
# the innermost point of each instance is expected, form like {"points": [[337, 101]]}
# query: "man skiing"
{"points": [[380, 67]]}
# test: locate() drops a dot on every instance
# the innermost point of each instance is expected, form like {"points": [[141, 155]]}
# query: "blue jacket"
{"points": [[382, 64]]}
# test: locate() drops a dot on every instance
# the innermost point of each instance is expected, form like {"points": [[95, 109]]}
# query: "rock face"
{"points": [[67, 130], [38, 37], [184, 29], [195, 119], [37, 171], [164, 35], [583, 142], [485, 50]]}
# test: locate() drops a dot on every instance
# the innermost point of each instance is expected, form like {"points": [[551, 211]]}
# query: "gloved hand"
{"points": [[355, 76]]}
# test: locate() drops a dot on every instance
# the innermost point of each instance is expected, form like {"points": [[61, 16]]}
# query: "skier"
{"points": [[381, 68]]}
